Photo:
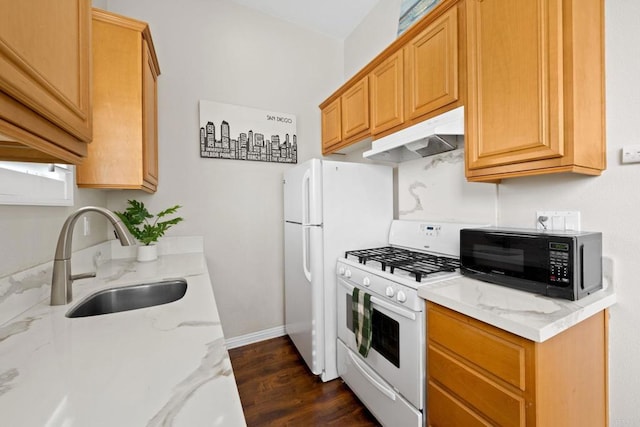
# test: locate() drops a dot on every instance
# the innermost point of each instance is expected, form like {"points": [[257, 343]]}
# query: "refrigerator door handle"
{"points": [[306, 182], [305, 253]]}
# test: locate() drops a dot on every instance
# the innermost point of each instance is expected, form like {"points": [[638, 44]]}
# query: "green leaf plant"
{"points": [[144, 226]]}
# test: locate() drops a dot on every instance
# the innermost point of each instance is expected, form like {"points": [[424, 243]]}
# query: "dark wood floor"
{"points": [[277, 389]]}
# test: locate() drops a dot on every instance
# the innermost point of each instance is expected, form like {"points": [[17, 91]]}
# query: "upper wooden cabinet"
{"points": [[415, 78], [150, 72], [355, 109], [124, 151], [479, 375], [432, 66], [346, 118], [45, 102], [535, 101], [331, 125], [387, 93]]}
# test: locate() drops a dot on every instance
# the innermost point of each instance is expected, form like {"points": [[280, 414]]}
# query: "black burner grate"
{"points": [[418, 264]]}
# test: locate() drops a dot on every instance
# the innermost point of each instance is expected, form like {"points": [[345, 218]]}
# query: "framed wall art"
{"points": [[412, 10], [235, 132]]}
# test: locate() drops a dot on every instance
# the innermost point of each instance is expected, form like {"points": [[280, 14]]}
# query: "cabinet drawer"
{"points": [[489, 348], [450, 411], [488, 397]]}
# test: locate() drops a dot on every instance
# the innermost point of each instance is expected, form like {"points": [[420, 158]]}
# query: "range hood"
{"points": [[433, 136]]}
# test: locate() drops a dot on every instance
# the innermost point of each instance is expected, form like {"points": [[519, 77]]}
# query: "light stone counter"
{"points": [[528, 315], [158, 366]]}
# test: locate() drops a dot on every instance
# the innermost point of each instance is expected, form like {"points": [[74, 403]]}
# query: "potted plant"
{"points": [[146, 227]]}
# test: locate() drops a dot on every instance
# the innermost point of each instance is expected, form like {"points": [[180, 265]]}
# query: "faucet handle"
{"points": [[83, 276]]}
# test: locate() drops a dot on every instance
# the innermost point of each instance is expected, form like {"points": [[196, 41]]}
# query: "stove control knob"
{"points": [[341, 271], [347, 273], [366, 281], [390, 292], [401, 297]]}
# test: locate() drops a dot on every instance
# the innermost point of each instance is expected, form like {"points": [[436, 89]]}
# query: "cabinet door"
{"points": [[514, 111], [432, 66], [44, 61], [387, 99], [125, 93], [355, 109], [150, 119], [331, 125]]}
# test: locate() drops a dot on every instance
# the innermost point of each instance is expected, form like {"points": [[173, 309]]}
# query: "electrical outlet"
{"points": [[631, 154], [558, 220]]}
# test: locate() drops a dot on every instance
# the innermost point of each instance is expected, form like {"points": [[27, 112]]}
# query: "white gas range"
{"points": [[390, 380]]}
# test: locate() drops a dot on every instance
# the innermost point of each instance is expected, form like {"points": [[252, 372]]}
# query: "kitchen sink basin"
{"points": [[130, 298]]}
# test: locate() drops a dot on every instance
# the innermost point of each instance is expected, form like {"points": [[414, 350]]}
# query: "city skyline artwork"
{"points": [[235, 132]]}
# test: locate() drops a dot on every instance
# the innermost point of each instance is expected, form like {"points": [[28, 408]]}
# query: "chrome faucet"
{"points": [[62, 278]]}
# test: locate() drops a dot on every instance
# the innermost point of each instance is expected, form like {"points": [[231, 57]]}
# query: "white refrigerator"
{"points": [[329, 207]]}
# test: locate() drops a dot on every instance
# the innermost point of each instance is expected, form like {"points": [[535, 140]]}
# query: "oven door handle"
{"points": [[397, 310], [375, 300], [363, 370]]}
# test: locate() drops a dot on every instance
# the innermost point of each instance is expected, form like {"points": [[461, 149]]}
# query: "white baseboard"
{"points": [[254, 337]]}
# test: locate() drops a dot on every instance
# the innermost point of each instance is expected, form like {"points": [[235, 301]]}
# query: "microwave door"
{"points": [[509, 255]]}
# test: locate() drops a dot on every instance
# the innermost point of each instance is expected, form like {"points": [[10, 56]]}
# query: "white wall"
{"points": [[376, 31], [610, 203], [217, 50]]}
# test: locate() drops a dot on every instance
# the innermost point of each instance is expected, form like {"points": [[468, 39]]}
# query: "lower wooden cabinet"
{"points": [[124, 151], [479, 375]]}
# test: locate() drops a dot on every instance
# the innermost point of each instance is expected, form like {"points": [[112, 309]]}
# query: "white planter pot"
{"points": [[147, 253]]}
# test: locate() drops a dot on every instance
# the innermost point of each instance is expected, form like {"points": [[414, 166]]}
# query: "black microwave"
{"points": [[557, 264]]}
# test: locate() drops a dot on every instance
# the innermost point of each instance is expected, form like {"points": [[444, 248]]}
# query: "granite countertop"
{"points": [[528, 315], [159, 366]]}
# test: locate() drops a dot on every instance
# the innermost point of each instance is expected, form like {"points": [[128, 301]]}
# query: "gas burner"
{"points": [[417, 264]]}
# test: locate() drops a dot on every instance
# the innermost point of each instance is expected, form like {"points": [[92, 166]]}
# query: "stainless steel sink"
{"points": [[130, 298]]}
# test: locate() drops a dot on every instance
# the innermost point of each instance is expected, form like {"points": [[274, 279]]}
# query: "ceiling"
{"points": [[335, 18]]}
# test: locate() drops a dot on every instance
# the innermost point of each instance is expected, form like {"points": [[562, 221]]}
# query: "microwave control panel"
{"points": [[559, 263]]}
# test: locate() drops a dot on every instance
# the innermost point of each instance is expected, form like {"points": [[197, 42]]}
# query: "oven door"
{"points": [[398, 341]]}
